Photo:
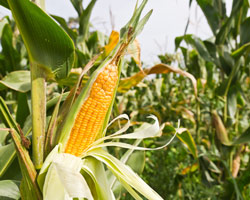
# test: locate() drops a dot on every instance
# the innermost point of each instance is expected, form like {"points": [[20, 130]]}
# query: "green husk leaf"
{"points": [[125, 174], [95, 170], [64, 173]]}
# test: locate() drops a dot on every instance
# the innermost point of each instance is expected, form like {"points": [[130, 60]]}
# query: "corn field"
{"points": [[82, 117]]}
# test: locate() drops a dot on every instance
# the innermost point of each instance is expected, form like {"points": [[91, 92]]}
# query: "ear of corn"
{"points": [[93, 111], [89, 115]]}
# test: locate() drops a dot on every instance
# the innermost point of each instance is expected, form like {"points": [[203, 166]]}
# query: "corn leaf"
{"points": [[63, 23], [127, 83], [47, 43], [241, 51], [51, 137], [212, 13], [9, 189], [45, 167], [125, 174], [113, 41], [17, 80], [187, 139], [11, 57], [243, 138], [7, 152], [244, 29], [64, 176], [4, 3], [134, 50], [30, 185], [84, 19], [95, 170]]}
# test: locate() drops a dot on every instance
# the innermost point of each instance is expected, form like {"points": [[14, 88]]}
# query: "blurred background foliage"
{"points": [[209, 94]]}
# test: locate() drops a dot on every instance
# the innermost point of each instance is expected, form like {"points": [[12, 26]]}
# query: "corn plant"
{"points": [[69, 148], [216, 114]]}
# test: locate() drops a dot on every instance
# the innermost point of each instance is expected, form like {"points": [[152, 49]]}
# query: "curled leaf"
{"points": [[127, 83]]}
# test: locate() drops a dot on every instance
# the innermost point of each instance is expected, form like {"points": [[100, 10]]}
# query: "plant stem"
{"points": [[198, 119], [38, 100]]}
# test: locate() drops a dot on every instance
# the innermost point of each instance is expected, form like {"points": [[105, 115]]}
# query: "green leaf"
{"points": [[46, 42], [3, 22], [6, 117], [50, 137], [226, 28], [17, 80], [3, 135], [241, 51], [244, 138], [63, 23], [7, 155], [211, 13], [9, 189], [244, 179], [22, 109], [95, 170], [244, 30], [84, 19], [78, 6], [232, 101], [196, 43], [4, 3], [29, 184], [187, 139], [125, 175], [7, 152], [11, 56], [137, 161]]}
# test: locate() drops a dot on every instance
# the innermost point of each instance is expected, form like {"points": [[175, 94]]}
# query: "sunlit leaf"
{"points": [[47, 43]]}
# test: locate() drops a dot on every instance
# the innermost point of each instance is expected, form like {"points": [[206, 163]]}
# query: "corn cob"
{"points": [[93, 111]]}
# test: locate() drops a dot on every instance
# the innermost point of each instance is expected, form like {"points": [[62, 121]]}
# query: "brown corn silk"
{"points": [[88, 122]]}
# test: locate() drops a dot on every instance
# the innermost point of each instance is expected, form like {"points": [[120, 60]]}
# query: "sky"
{"points": [[168, 21]]}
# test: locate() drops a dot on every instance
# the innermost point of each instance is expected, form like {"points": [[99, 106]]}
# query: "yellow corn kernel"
{"points": [[93, 111]]}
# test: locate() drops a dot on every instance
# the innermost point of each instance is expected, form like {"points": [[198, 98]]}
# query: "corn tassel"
{"points": [[93, 111]]}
